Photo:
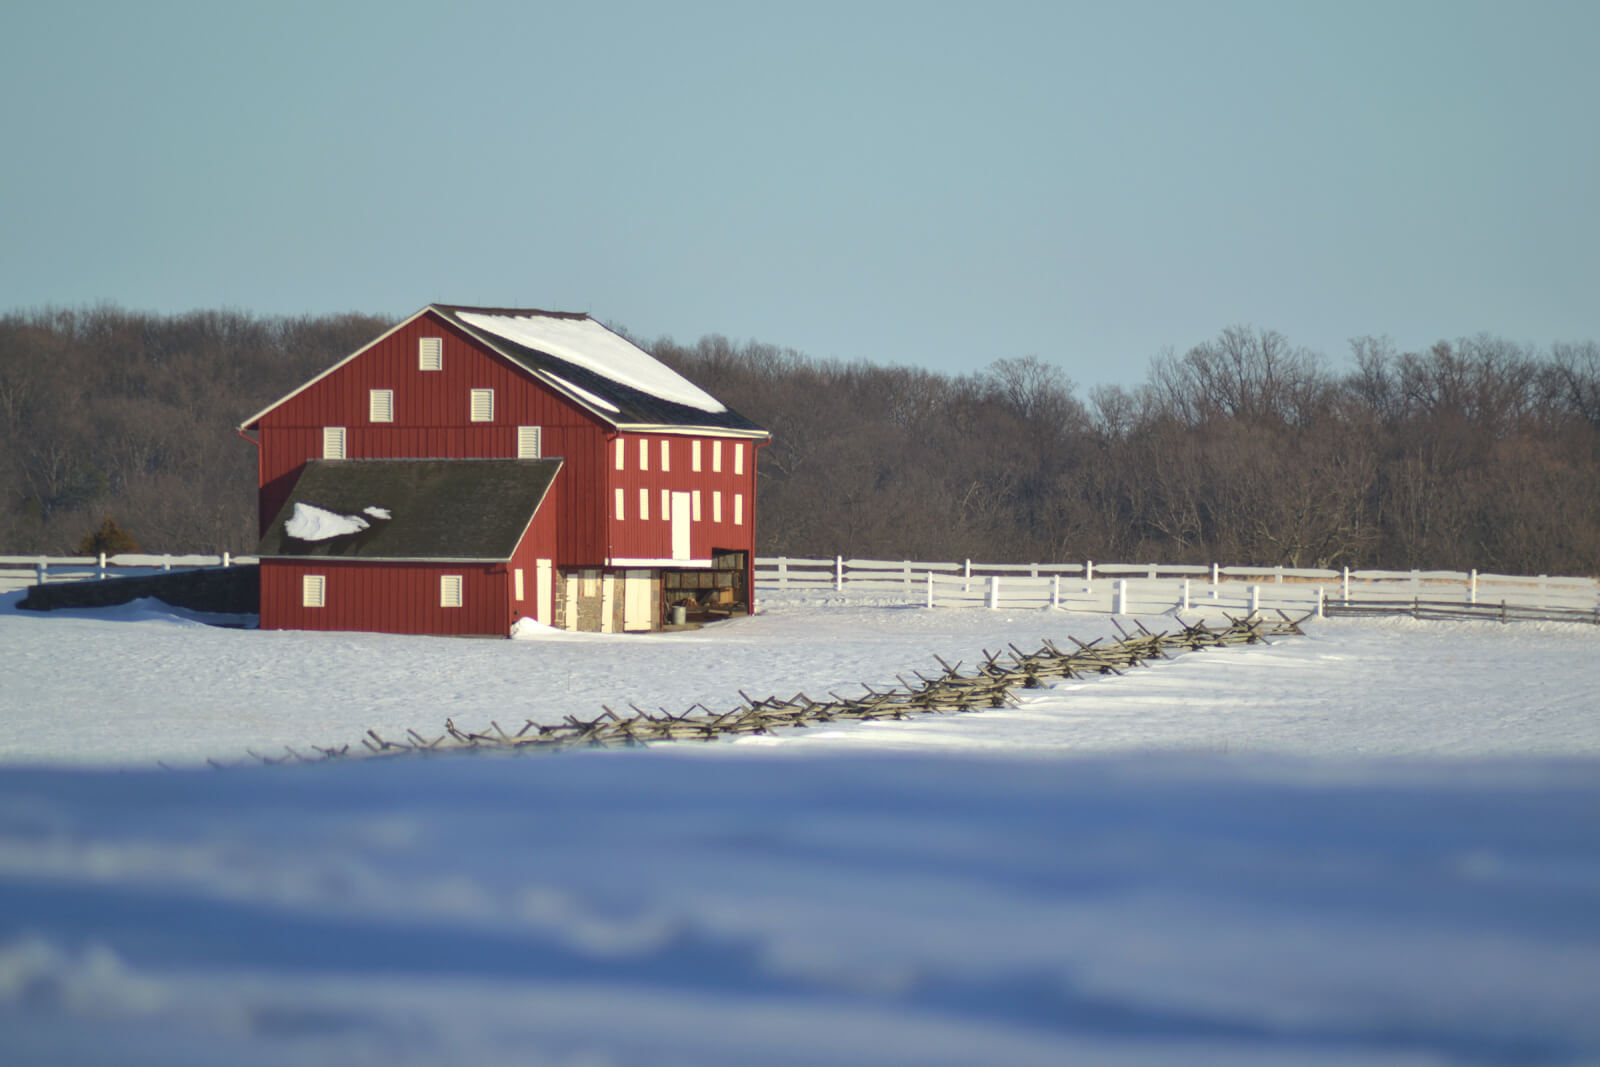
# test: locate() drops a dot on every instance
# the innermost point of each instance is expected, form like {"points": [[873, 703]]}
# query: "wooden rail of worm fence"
{"points": [[988, 685]]}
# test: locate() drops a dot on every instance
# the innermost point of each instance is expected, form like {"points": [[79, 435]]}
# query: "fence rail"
{"points": [[20, 572], [1153, 588]]}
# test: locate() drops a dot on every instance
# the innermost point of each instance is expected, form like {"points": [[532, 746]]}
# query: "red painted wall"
{"points": [[636, 538], [432, 421], [399, 598]]}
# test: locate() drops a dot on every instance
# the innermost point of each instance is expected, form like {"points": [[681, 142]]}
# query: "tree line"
{"points": [[1243, 449]]}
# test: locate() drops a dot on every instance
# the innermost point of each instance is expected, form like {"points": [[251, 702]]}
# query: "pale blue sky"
{"points": [[936, 185]]}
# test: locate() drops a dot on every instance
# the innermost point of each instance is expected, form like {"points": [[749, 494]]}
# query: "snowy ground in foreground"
{"points": [[1224, 874], [142, 683]]}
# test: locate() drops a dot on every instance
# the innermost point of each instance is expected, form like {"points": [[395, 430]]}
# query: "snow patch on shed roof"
{"points": [[585, 343], [311, 523]]}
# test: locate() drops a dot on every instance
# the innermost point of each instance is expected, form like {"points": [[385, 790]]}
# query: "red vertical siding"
{"points": [[635, 538], [400, 598], [432, 421]]}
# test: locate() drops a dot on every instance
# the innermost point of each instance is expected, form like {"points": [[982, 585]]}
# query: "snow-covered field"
{"points": [[1379, 843]]}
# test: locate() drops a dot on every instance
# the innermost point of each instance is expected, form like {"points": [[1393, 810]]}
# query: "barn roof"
{"points": [[461, 510], [600, 370]]}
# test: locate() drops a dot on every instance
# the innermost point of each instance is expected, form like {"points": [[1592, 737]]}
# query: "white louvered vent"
{"points": [[738, 458], [694, 456], [666, 504], [716, 505], [666, 454], [622, 455], [333, 442], [716, 457], [380, 405], [621, 499], [430, 353], [483, 405], [738, 509], [528, 442], [450, 590], [644, 504], [313, 588]]}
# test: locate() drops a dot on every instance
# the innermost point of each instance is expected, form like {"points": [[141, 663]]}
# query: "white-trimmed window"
{"points": [[333, 442], [430, 353], [622, 455], [529, 442], [644, 453], [738, 457], [738, 509], [716, 505], [483, 405], [644, 504], [622, 504], [313, 590], [380, 405], [666, 454], [516, 583], [716, 457], [666, 504], [449, 590], [694, 456], [694, 506]]}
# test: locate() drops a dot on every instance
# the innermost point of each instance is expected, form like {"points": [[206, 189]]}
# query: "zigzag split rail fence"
{"points": [[989, 685], [1151, 588]]}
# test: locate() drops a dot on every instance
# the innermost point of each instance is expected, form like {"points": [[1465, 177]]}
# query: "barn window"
{"points": [[694, 456], [694, 506], [666, 504], [528, 442], [716, 506], [449, 590], [483, 405], [644, 453], [622, 456], [621, 505], [516, 581], [380, 405], [716, 457], [738, 458], [313, 590], [333, 442], [666, 454], [430, 353], [644, 504], [738, 509]]}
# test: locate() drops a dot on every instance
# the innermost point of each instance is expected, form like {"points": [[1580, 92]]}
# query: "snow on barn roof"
{"points": [[415, 509], [599, 369]]}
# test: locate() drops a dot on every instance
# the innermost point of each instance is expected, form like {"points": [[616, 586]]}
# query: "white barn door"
{"points": [[543, 590], [636, 600], [680, 525]]}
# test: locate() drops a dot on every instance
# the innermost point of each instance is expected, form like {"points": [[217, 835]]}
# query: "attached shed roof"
{"points": [[461, 510], [601, 370]]}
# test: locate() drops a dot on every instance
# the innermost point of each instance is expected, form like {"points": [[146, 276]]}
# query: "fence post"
{"points": [[1321, 603], [838, 574], [166, 562], [100, 570], [966, 577], [1279, 576], [1344, 592], [227, 559], [1055, 593], [994, 592], [930, 589], [1152, 574], [905, 576], [1255, 599], [1216, 581], [39, 570], [1472, 587], [1121, 606], [1186, 594], [783, 572], [1088, 574]]}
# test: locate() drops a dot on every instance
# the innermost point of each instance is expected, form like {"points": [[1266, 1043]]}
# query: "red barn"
{"points": [[651, 505]]}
